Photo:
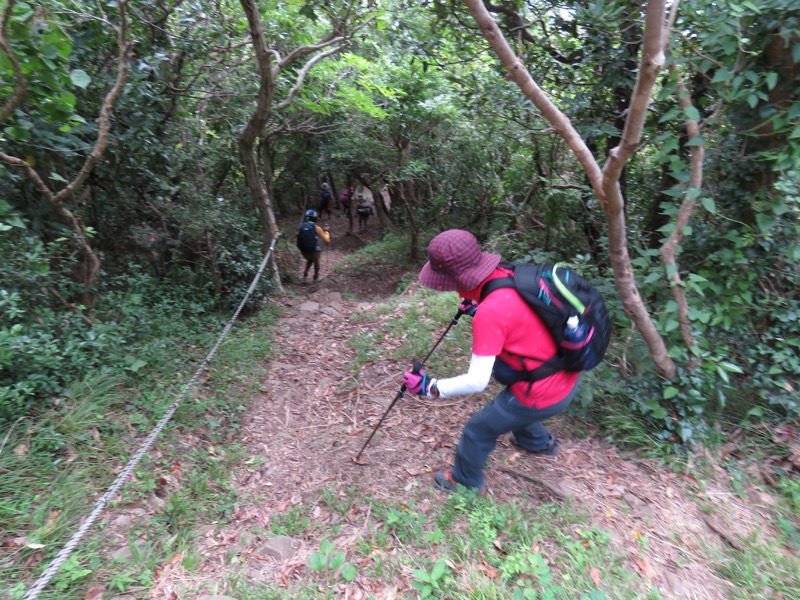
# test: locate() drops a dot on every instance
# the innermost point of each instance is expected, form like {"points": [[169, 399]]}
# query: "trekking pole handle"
{"points": [[416, 367]]}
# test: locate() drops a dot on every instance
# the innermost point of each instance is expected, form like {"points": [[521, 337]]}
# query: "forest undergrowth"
{"points": [[262, 451]]}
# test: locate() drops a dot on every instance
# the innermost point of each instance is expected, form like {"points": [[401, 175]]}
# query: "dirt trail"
{"points": [[314, 416]]}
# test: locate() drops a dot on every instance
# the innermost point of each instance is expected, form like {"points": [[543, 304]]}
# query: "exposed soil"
{"points": [[305, 429]]}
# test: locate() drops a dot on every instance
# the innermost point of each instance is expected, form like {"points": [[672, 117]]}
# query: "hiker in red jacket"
{"points": [[506, 331], [345, 199]]}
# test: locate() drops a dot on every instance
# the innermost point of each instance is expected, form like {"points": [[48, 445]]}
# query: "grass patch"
{"points": [[408, 328], [765, 570], [387, 251], [463, 547], [54, 468]]}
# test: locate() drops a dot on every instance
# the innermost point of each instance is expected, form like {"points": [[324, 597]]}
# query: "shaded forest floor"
{"points": [[314, 414]]}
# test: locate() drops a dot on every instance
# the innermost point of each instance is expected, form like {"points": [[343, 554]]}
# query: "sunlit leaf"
{"points": [[80, 78]]}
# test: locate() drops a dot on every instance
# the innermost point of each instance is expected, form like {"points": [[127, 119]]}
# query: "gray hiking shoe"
{"points": [[445, 482], [551, 449]]}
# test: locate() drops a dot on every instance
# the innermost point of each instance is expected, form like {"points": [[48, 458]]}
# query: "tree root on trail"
{"points": [[540, 482], [725, 535]]}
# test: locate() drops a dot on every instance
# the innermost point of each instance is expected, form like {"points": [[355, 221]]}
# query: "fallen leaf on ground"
{"points": [[95, 592], [645, 567]]}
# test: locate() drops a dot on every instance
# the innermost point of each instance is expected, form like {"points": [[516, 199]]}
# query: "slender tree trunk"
{"points": [[254, 130], [411, 209], [670, 248]]}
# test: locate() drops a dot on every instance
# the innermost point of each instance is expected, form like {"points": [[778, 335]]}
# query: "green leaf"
{"points": [[651, 278], [438, 570], [80, 78], [337, 560], [671, 270], [722, 75], [349, 572], [752, 100], [765, 222], [422, 575], [317, 560], [709, 204], [326, 547], [772, 80], [697, 140], [670, 114], [670, 392], [731, 367], [752, 7], [691, 113]]}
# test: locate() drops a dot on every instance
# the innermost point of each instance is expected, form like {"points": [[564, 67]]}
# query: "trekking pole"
{"points": [[416, 368]]}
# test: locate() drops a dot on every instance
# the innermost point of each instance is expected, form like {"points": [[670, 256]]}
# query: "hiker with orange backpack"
{"points": [[511, 341], [309, 241]]}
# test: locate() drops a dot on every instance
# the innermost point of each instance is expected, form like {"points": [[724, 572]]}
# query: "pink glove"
{"points": [[468, 307], [416, 383]]}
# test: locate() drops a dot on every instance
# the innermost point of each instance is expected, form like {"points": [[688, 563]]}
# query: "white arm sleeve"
{"points": [[473, 381]]}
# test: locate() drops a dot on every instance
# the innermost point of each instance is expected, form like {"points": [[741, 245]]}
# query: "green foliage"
{"points": [[327, 561], [45, 52], [432, 584]]}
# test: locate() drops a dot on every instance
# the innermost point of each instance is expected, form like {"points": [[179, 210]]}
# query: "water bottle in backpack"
{"points": [[576, 338]]}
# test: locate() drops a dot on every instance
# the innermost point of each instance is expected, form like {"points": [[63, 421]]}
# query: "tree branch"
{"points": [[298, 84], [652, 61], [670, 247]]}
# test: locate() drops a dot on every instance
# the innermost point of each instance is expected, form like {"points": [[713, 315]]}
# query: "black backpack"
{"points": [[307, 238], [572, 310]]}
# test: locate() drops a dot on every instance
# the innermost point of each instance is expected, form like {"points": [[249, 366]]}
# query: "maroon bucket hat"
{"points": [[456, 262]]}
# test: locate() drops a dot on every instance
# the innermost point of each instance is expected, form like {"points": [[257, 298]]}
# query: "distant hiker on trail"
{"points": [[364, 210], [309, 241], [505, 331], [325, 200], [345, 199]]}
